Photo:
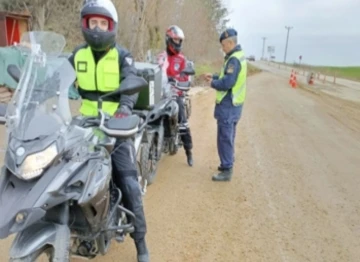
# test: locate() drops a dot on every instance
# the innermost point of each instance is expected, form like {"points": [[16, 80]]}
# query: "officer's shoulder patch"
{"points": [[230, 69]]}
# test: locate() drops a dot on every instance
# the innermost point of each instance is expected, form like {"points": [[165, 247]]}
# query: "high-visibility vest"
{"points": [[98, 79], [239, 89]]}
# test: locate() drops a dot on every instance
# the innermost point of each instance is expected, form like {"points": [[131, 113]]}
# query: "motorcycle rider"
{"points": [[100, 66], [175, 61]]}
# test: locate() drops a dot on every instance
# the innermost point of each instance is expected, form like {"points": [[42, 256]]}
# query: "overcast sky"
{"points": [[326, 32]]}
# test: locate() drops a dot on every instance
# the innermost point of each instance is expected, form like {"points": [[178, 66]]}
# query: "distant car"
{"points": [[251, 58]]}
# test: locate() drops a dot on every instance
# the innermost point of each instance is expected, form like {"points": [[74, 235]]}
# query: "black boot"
{"points": [[189, 157], [142, 251], [224, 175]]}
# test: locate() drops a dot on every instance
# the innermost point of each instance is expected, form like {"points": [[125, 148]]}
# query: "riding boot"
{"points": [[224, 175], [189, 156], [142, 251]]}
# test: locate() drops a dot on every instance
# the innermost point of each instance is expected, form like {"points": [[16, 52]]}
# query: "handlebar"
{"points": [[182, 86], [128, 129], [145, 119]]}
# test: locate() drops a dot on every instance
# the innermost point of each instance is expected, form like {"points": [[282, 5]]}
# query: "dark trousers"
{"points": [[126, 178], [227, 117], [184, 127], [226, 132]]}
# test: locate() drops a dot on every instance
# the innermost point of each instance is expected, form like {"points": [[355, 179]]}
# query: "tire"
{"points": [[189, 107], [173, 147], [32, 257], [140, 177], [186, 112], [160, 142], [148, 161]]}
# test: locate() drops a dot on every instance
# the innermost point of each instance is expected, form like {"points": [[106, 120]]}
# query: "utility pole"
{"points": [[288, 28], [264, 39]]}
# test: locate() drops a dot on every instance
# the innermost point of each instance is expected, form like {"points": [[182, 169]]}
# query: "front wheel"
{"points": [[43, 238], [148, 159], [173, 145], [44, 254], [188, 107]]}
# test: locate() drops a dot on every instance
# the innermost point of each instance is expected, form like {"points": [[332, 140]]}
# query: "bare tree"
{"points": [[142, 23]]}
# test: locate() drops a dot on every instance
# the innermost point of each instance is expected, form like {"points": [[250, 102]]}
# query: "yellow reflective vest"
{"points": [[239, 89], [95, 80]]}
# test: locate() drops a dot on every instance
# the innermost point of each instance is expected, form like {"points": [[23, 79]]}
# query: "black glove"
{"points": [[123, 111]]}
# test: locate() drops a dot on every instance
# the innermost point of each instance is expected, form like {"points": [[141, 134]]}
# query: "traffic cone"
{"points": [[294, 84], [291, 77], [311, 81]]}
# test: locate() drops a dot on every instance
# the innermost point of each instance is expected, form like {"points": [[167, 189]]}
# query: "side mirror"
{"points": [[188, 71], [132, 85], [129, 86], [14, 72], [3, 108]]}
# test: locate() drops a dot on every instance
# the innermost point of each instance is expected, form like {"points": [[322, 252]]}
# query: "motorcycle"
{"points": [[164, 123], [172, 141], [146, 153], [163, 130], [56, 188], [150, 152]]}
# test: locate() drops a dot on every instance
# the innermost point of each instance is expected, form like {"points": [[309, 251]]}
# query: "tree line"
{"points": [[142, 23]]}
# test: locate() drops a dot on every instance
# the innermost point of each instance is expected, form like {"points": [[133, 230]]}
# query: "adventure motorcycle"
{"points": [[163, 130], [172, 141], [56, 188], [163, 123]]}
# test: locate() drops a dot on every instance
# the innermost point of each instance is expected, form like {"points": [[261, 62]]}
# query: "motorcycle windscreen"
{"points": [[40, 105]]}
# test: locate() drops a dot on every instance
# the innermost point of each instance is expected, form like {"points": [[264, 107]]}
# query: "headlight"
{"points": [[34, 164], [20, 217]]}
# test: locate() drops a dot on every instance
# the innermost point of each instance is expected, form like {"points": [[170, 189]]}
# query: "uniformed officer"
{"points": [[230, 88]]}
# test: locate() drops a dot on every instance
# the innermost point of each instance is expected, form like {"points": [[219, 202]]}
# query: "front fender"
{"points": [[37, 236]]}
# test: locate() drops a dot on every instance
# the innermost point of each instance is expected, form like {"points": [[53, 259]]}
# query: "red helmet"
{"points": [[174, 38]]}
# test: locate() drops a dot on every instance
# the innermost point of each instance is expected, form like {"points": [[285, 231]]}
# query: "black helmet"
{"points": [[174, 33], [97, 39]]}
